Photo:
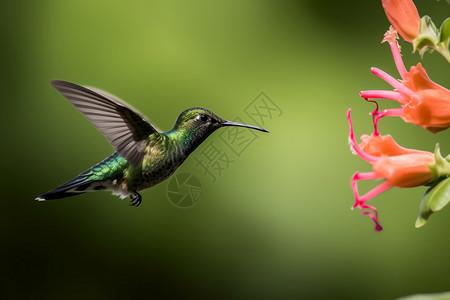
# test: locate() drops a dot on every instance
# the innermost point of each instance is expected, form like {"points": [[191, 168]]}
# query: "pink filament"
{"points": [[392, 81], [360, 200], [375, 120], [377, 115], [374, 217], [354, 145], [391, 37], [398, 58], [382, 94]]}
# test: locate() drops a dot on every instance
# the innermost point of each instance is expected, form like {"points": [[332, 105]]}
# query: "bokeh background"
{"points": [[277, 224]]}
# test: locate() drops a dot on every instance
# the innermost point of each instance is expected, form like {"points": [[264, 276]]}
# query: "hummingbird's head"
{"points": [[205, 122], [196, 124]]}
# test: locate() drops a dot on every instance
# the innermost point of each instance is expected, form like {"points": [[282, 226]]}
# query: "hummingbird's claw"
{"points": [[136, 199]]}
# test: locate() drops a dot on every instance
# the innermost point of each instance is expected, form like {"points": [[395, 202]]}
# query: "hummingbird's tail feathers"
{"points": [[96, 178], [78, 185]]}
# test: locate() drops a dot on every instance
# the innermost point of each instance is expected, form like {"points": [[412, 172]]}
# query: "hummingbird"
{"points": [[144, 156]]}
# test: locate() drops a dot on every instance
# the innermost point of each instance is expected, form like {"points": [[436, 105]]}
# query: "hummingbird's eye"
{"points": [[203, 118]]}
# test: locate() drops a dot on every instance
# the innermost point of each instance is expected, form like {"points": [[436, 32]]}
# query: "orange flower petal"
{"points": [[430, 106], [378, 145], [407, 170], [404, 17], [417, 79]]}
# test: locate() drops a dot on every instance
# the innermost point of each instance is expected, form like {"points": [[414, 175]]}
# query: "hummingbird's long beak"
{"points": [[229, 123]]}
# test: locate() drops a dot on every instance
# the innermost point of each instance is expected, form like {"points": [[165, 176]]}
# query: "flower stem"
{"points": [[444, 52]]}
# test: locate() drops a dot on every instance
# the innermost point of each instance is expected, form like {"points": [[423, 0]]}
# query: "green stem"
{"points": [[444, 52]]}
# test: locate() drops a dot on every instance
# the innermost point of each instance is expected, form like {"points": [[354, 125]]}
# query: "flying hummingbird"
{"points": [[144, 156]]}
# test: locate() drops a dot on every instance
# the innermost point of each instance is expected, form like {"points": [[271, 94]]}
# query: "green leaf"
{"points": [[435, 198], [438, 296]]}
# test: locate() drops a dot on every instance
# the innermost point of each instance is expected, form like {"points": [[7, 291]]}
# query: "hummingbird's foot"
{"points": [[136, 199]]}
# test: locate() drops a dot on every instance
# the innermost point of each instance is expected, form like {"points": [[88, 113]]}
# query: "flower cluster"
{"points": [[423, 103]]}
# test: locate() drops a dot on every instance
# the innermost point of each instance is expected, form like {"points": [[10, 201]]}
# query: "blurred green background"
{"points": [[277, 224]]}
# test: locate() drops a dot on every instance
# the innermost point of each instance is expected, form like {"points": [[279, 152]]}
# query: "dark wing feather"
{"points": [[125, 128]]}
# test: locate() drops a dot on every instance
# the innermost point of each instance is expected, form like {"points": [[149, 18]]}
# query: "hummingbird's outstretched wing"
{"points": [[125, 128]]}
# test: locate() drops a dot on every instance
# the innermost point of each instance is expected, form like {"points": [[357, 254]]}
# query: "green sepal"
{"points": [[441, 167], [431, 38], [437, 196], [445, 33], [428, 36]]}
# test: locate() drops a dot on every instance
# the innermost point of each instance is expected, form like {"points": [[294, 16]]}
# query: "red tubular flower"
{"points": [[403, 15], [400, 167], [424, 103]]}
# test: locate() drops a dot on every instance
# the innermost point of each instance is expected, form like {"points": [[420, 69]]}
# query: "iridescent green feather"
{"points": [[110, 168]]}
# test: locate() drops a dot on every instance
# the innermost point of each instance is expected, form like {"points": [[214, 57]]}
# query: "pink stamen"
{"points": [[393, 95], [392, 81], [371, 215], [354, 145], [375, 121], [360, 200], [398, 59], [393, 112], [373, 192], [391, 37], [377, 115], [355, 178]]}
